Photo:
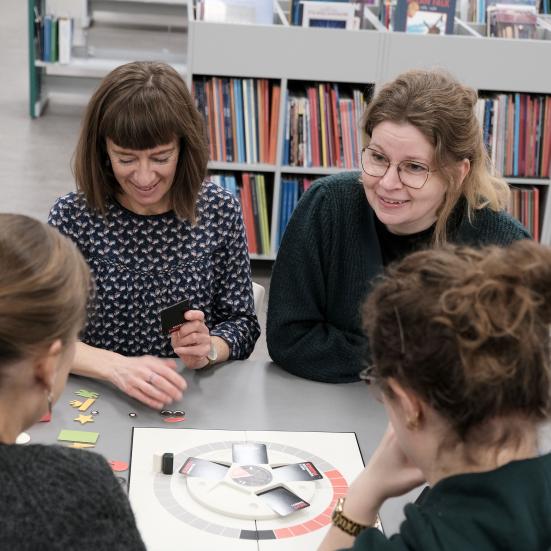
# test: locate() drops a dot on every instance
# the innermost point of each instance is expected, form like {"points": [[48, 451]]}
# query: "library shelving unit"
{"points": [[296, 57], [110, 32]]}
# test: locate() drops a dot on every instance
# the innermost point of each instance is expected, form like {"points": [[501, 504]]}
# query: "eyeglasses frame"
{"points": [[397, 165]]}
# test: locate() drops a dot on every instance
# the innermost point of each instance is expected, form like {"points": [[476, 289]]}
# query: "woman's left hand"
{"points": [[192, 340]]}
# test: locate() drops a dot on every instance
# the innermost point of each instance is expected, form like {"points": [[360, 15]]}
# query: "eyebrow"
{"points": [[160, 152], [407, 158]]}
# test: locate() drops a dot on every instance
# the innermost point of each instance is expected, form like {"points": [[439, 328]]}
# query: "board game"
{"points": [[246, 490]]}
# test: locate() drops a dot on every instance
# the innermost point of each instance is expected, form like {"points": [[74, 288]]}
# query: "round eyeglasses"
{"points": [[413, 174]]}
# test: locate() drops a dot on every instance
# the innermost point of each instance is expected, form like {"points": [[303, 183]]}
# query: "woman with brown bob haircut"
{"points": [[460, 346], [52, 497], [154, 232], [426, 180]]}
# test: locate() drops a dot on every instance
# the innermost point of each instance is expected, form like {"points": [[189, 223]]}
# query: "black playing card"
{"points": [[282, 501], [296, 472], [202, 468], [172, 317], [249, 453]]}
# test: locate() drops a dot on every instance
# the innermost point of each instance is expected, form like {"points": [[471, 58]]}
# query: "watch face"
{"points": [[213, 353]]}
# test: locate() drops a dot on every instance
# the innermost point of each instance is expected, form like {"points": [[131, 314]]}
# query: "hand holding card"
{"points": [[191, 340]]}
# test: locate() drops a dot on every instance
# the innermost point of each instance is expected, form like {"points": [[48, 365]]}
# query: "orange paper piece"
{"points": [[173, 419], [83, 419], [46, 418], [85, 405], [80, 445]]}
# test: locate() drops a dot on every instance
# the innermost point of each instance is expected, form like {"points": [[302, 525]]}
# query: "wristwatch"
{"points": [[212, 356], [344, 523]]}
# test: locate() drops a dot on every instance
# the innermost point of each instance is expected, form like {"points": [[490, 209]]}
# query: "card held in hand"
{"points": [[172, 318]]}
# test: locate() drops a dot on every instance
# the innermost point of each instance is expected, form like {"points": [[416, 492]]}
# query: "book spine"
{"points": [[65, 34]]}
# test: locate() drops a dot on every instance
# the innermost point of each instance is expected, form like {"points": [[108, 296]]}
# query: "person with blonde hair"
{"points": [[426, 180], [154, 232], [459, 341], [52, 497]]}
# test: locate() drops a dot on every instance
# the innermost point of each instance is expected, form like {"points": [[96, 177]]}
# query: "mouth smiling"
{"points": [[144, 189], [393, 202]]}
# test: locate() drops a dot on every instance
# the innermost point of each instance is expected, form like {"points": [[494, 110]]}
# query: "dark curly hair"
{"points": [[467, 330]]}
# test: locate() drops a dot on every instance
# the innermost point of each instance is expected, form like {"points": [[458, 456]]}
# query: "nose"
{"points": [[144, 175], [391, 179]]}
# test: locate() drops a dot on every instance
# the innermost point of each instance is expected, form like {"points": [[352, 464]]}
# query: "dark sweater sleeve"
{"points": [[299, 335]]}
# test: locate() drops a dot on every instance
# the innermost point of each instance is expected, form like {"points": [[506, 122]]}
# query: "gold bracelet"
{"points": [[341, 521]]}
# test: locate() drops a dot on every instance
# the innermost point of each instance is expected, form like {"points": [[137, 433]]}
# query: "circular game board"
{"points": [[235, 496]]}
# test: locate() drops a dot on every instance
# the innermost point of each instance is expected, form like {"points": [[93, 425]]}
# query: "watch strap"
{"points": [[341, 521]]}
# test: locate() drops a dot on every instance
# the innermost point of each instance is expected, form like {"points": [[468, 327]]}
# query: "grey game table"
{"points": [[241, 395]]}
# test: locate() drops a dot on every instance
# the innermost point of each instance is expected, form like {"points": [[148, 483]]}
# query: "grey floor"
{"points": [[35, 154]]}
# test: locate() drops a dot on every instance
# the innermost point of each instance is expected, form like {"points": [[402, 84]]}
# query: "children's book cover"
{"points": [[425, 16]]}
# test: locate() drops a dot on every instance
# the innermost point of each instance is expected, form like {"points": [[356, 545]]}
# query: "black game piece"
{"points": [[95, 412], [132, 414], [168, 463]]}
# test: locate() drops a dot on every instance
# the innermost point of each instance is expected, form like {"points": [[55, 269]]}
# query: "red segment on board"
{"points": [[333, 474], [173, 419], [283, 533], [323, 519], [298, 530], [312, 525]]}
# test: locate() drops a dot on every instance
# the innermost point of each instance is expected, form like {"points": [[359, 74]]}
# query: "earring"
{"points": [[49, 403], [413, 424]]}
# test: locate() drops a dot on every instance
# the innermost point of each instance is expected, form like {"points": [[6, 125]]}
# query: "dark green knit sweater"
{"points": [[508, 509], [329, 255]]}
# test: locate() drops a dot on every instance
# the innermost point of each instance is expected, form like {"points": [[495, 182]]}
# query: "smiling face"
{"points": [[145, 176], [401, 209]]}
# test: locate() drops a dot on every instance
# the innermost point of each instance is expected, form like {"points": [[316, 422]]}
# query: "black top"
{"points": [[395, 247]]}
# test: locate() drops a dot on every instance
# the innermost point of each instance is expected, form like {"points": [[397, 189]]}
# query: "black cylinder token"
{"points": [[95, 412], [167, 465], [132, 414]]}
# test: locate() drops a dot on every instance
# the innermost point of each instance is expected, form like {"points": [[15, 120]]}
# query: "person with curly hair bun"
{"points": [[459, 341]]}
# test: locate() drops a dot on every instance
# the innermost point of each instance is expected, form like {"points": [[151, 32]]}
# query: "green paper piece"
{"points": [[78, 436], [86, 394]]}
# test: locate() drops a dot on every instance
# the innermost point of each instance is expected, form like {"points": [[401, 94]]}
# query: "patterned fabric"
{"points": [[142, 264]]}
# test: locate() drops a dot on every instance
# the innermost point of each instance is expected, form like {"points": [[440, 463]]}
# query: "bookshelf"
{"points": [[106, 33], [295, 57]]}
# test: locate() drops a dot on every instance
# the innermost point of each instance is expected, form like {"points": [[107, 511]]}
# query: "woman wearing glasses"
{"points": [[425, 181], [459, 342]]}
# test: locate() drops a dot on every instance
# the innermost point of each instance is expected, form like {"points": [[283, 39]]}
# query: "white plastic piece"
{"points": [[23, 438]]}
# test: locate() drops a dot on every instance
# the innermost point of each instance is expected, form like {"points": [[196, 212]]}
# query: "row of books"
{"points": [[289, 194], [241, 117], [256, 201], [52, 38], [517, 133], [525, 207], [322, 126]]}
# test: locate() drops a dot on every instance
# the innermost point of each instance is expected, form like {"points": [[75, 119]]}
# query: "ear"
{"points": [[45, 365], [408, 402], [463, 168]]}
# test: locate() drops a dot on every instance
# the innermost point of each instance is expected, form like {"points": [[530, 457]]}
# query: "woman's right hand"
{"points": [[153, 381], [389, 473]]}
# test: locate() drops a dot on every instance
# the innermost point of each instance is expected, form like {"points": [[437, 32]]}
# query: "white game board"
{"points": [[175, 512]]}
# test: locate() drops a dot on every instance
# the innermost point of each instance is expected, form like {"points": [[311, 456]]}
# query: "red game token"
{"points": [[118, 466]]}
